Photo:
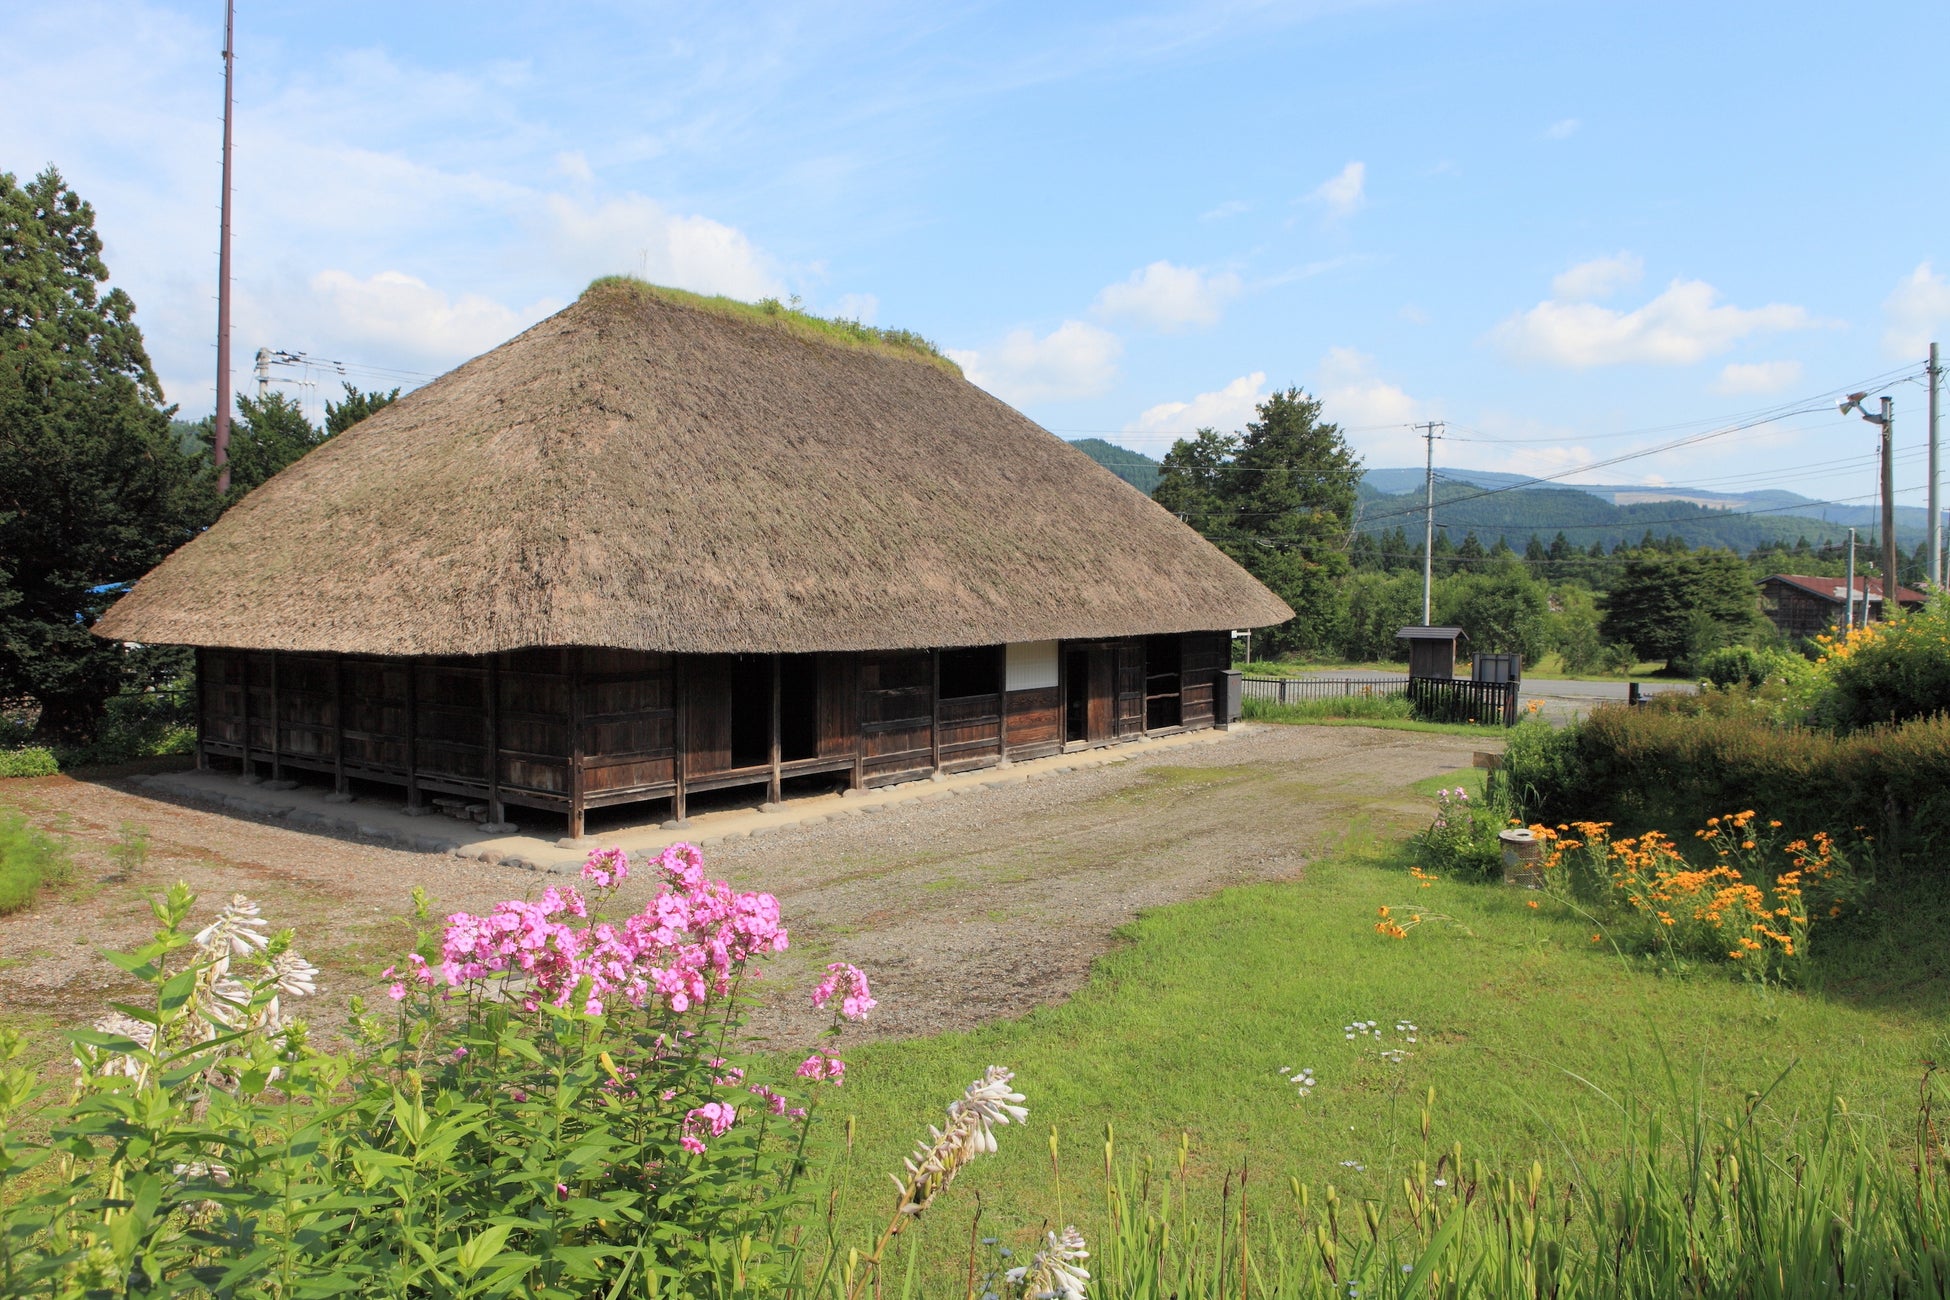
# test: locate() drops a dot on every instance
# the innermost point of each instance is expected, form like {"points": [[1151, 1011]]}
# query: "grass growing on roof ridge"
{"points": [[793, 319], [1530, 1033]]}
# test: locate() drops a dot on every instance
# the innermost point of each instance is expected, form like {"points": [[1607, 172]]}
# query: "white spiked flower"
{"points": [[987, 1103], [1056, 1271], [238, 931], [111, 1062], [296, 977]]}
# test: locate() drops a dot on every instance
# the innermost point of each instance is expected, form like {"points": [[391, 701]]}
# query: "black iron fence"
{"points": [[1433, 699]]}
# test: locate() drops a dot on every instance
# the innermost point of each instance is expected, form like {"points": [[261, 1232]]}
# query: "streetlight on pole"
{"points": [[1887, 420]]}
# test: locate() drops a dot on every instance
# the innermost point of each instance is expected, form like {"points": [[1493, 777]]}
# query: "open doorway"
{"points": [[1076, 696], [798, 707], [751, 710]]}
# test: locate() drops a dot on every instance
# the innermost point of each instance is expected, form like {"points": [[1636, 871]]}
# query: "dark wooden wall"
{"points": [[570, 729]]}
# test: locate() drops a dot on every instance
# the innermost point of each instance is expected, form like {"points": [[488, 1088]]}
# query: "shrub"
{"points": [[1888, 672], [28, 860], [27, 762], [1678, 761], [1739, 665], [1540, 767]]}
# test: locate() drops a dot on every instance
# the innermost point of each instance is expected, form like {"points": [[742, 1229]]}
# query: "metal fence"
{"points": [[1434, 699]]}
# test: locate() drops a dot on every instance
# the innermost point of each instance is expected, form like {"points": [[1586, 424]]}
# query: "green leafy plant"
{"points": [[29, 860], [33, 761]]}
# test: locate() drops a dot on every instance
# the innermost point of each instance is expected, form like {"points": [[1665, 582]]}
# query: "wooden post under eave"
{"points": [[244, 703], [1002, 703], [680, 716], [856, 662], [412, 734], [495, 812], [575, 744], [202, 758], [277, 716], [338, 724], [934, 731], [772, 791]]}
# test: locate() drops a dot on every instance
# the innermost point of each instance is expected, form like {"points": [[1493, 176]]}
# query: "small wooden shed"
{"points": [[1431, 650], [661, 544]]}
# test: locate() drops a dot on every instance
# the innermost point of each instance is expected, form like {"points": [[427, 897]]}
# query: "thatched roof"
{"points": [[652, 470]]}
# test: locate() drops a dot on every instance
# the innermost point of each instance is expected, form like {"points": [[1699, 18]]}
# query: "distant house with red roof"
{"points": [[1801, 605]]}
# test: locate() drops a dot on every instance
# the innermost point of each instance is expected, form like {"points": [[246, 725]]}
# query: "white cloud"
{"points": [[1562, 129], [572, 164], [1685, 324], [1918, 309], [395, 310], [639, 236], [863, 307], [1169, 298], [1230, 208], [1601, 277], [1227, 409], [1076, 359], [1343, 193], [1412, 314], [1353, 396], [1762, 377]]}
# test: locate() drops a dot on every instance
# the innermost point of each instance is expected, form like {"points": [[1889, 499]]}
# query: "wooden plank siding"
{"points": [[569, 729]]}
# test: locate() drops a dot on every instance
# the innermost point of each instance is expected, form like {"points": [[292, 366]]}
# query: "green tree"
{"points": [[1501, 609], [269, 433], [1666, 605], [94, 490], [1379, 606], [340, 416], [1279, 499]]}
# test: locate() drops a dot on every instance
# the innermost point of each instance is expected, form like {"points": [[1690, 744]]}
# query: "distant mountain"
{"points": [[1134, 467], [1585, 513]]}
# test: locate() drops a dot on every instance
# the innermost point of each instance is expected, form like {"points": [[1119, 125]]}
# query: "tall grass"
{"points": [[28, 860], [1695, 1205], [1376, 707]]}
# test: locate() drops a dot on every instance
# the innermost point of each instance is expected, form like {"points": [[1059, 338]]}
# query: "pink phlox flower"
{"points": [[606, 868], [816, 1067], [711, 1119], [775, 1100], [849, 982]]}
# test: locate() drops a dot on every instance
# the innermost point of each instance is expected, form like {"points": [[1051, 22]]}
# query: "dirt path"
{"points": [[962, 910]]}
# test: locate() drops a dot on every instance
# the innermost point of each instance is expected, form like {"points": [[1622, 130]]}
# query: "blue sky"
{"points": [[1569, 230]]}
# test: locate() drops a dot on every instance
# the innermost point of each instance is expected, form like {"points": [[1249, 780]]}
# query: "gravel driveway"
{"points": [[1024, 885]]}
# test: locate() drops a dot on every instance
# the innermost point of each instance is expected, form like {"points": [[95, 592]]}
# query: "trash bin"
{"points": [[1523, 858], [1231, 691]]}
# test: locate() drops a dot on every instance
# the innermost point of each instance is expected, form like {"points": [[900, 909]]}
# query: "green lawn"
{"points": [[1528, 1031]]}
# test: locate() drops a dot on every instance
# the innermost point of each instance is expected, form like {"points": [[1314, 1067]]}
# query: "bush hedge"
{"points": [[28, 762], [1682, 763]]}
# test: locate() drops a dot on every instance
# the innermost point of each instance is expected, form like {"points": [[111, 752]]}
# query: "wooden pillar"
{"points": [[412, 734], [495, 812], [244, 703], [680, 717], [772, 791], [575, 743], [277, 718], [202, 758], [934, 731], [856, 661], [338, 724], [1002, 703]]}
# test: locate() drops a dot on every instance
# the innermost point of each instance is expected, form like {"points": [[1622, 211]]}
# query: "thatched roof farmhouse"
{"points": [[661, 543]]}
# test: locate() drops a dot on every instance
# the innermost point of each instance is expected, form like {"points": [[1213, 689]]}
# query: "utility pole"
{"points": [[1934, 532], [263, 372], [220, 433], [1890, 606], [1851, 581], [1428, 529]]}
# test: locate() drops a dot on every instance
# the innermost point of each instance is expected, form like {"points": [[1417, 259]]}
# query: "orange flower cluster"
{"points": [[1751, 902]]}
